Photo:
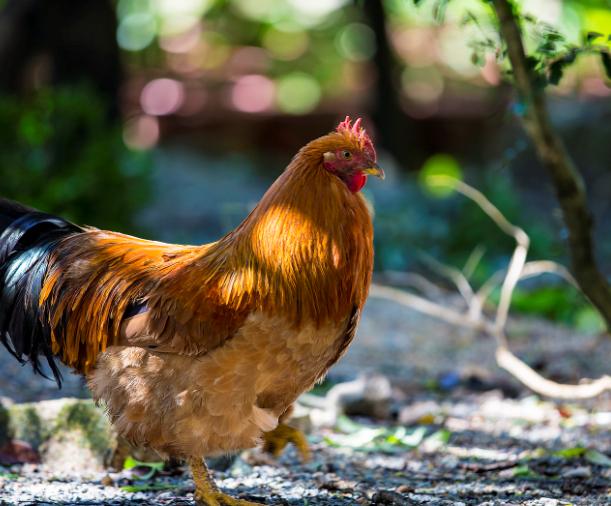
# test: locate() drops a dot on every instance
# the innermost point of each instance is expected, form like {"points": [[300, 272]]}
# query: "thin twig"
{"points": [[473, 261], [453, 274]]}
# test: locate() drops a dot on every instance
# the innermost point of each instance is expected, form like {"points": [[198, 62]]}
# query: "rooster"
{"points": [[197, 351]]}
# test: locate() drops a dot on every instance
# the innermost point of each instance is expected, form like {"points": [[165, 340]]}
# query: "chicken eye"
{"points": [[346, 155]]}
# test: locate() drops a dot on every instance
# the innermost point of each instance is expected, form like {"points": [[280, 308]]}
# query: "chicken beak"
{"points": [[374, 170]]}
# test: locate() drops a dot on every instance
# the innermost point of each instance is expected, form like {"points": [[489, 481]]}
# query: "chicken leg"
{"points": [[206, 491], [276, 440]]}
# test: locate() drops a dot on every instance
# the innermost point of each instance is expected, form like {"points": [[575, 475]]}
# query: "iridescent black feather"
{"points": [[27, 239]]}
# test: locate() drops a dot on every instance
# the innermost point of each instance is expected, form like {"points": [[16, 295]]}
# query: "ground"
{"points": [[435, 423]]}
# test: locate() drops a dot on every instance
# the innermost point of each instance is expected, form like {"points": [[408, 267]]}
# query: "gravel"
{"points": [[501, 445], [499, 451]]}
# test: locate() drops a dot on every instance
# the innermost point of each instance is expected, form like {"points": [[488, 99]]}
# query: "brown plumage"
{"points": [[230, 333]]}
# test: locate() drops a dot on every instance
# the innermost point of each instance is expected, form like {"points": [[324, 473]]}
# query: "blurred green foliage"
{"points": [[562, 303], [450, 229], [420, 219], [61, 155]]}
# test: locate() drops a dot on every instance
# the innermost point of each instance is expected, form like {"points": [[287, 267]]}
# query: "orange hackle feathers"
{"points": [[304, 253]]}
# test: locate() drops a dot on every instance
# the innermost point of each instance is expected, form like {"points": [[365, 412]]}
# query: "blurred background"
{"points": [[170, 118]]}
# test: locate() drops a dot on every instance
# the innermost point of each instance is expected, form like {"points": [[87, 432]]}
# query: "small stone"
{"points": [[405, 489], [582, 472], [389, 498], [107, 481]]}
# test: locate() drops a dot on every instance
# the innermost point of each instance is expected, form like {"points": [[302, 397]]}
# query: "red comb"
{"points": [[357, 131]]}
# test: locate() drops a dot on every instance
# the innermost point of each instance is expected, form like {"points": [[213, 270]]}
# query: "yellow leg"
{"points": [[276, 440], [206, 491], [119, 454]]}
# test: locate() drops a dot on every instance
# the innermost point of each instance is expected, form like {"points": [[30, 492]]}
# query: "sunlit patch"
{"points": [[263, 10], [178, 16], [253, 93], [141, 132], [162, 96], [314, 11]]}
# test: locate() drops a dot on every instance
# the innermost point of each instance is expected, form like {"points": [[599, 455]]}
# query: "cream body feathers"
{"points": [[221, 402]]}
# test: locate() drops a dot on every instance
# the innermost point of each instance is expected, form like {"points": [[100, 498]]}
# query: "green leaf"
{"points": [[379, 439], [556, 70], [570, 453], [347, 425], [522, 471], [442, 436], [439, 10], [606, 60], [598, 458], [132, 463], [414, 438], [592, 36], [477, 59]]}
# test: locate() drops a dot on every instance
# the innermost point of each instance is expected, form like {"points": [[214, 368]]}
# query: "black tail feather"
{"points": [[27, 239]]}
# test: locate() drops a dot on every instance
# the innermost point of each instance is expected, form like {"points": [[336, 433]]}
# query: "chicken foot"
{"points": [[206, 491], [276, 440]]}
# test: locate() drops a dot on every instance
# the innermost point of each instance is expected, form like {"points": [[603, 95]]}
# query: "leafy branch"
{"points": [[531, 74], [569, 185]]}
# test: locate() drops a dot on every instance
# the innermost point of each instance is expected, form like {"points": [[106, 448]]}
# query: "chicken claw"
{"points": [[206, 491], [276, 440]]}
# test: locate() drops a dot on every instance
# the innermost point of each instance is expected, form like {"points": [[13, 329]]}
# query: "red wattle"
{"points": [[357, 182]]}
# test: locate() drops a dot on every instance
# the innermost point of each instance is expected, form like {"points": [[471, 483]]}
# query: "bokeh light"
{"points": [[439, 175], [253, 93], [178, 16], [162, 96], [136, 31], [423, 85], [284, 44], [298, 93], [141, 132], [182, 42], [312, 12], [356, 42], [263, 10]]}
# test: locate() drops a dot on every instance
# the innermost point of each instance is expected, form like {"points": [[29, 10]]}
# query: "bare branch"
{"points": [[474, 319], [537, 383], [424, 306], [410, 279]]}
